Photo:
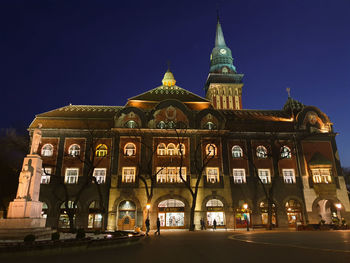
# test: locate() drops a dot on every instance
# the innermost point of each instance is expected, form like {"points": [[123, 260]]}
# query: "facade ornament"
{"points": [[36, 140]]}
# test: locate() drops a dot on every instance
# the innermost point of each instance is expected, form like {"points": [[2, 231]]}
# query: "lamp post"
{"points": [[245, 207], [338, 206], [148, 206]]}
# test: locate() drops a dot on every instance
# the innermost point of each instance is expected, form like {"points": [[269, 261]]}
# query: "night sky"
{"points": [[54, 53]]}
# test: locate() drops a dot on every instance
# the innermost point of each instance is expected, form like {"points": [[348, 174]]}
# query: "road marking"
{"points": [[234, 237]]}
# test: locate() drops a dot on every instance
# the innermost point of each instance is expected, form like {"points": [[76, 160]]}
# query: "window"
{"points": [[71, 176], [131, 124], [237, 152], [47, 150], [128, 174], [210, 150], [74, 150], [288, 176], [286, 153], [264, 175], [100, 174], [171, 149], [130, 149], [212, 174], [239, 176], [209, 126], [261, 152], [170, 174], [171, 125], [321, 176], [45, 176], [161, 149], [101, 150], [181, 149]]}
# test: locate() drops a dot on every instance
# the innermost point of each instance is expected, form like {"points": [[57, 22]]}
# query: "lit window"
{"points": [[214, 203], [71, 176], [237, 152], [264, 175], [288, 176], [261, 152], [239, 176], [286, 153], [210, 126], [170, 174], [321, 176], [130, 149], [45, 176], [128, 174], [74, 150], [171, 125], [101, 150], [161, 149], [210, 149], [212, 174], [181, 149], [100, 174], [171, 149], [47, 150], [131, 124]]}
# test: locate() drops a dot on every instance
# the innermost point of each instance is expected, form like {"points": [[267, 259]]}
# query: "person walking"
{"points": [[202, 224], [214, 224], [147, 226], [158, 227]]}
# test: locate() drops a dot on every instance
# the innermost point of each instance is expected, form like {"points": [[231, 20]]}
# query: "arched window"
{"points": [[181, 149], [131, 124], [209, 126], [171, 149], [285, 152], [101, 150], [261, 152], [47, 150], [161, 125], [130, 149], [95, 215], [63, 221], [237, 151], [161, 149], [74, 150], [210, 149], [171, 203], [214, 203]]}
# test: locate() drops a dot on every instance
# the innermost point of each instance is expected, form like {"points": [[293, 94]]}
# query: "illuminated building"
{"points": [[292, 150]]}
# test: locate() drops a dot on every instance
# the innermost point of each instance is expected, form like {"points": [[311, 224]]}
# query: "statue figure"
{"points": [[36, 140], [24, 182]]}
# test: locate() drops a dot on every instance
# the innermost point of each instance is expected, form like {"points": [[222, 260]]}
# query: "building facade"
{"points": [[114, 166]]}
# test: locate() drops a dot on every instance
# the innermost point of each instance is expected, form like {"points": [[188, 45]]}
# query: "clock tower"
{"points": [[224, 86]]}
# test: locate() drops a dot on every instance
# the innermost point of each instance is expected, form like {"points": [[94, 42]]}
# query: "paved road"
{"points": [[220, 247]]}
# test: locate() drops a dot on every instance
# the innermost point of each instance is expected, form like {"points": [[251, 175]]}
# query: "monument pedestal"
{"points": [[24, 213]]}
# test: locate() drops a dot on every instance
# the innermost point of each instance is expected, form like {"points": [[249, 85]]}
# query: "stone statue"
{"points": [[24, 183], [36, 140]]}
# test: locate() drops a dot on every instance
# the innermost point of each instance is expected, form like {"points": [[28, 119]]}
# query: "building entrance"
{"points": [[215, 211], [126, 215], [171, 213]]}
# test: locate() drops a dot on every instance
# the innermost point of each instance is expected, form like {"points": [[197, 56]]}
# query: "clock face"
{"points": [[223, 51]]}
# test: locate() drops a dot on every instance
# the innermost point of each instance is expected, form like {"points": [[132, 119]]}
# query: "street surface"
{"points": [[221, 246]]}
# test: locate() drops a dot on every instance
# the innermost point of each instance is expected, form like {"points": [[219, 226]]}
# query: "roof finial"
{"points": [[168, 63], [288, 91], [217, 15]]}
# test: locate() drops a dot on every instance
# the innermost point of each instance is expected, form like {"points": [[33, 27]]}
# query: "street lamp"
{"points": [[338, 206], [245, 207], [148, 206]]}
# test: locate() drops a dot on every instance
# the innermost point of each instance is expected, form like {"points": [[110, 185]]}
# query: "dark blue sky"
{"points": [[54, 53]]}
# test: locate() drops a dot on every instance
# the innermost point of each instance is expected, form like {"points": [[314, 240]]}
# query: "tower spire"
{"points": [[219, 38]]}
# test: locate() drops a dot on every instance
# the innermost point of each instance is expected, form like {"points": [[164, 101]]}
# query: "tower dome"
{"points": [[168, 79]]}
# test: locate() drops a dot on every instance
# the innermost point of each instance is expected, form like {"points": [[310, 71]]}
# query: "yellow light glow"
{"points": [[245, 206], [338, 206], [148, 206]]}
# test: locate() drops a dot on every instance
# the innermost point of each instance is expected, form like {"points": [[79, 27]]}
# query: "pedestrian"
{"points": [[214, 224], [202, 224], [147, 226], [158, 227]]}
